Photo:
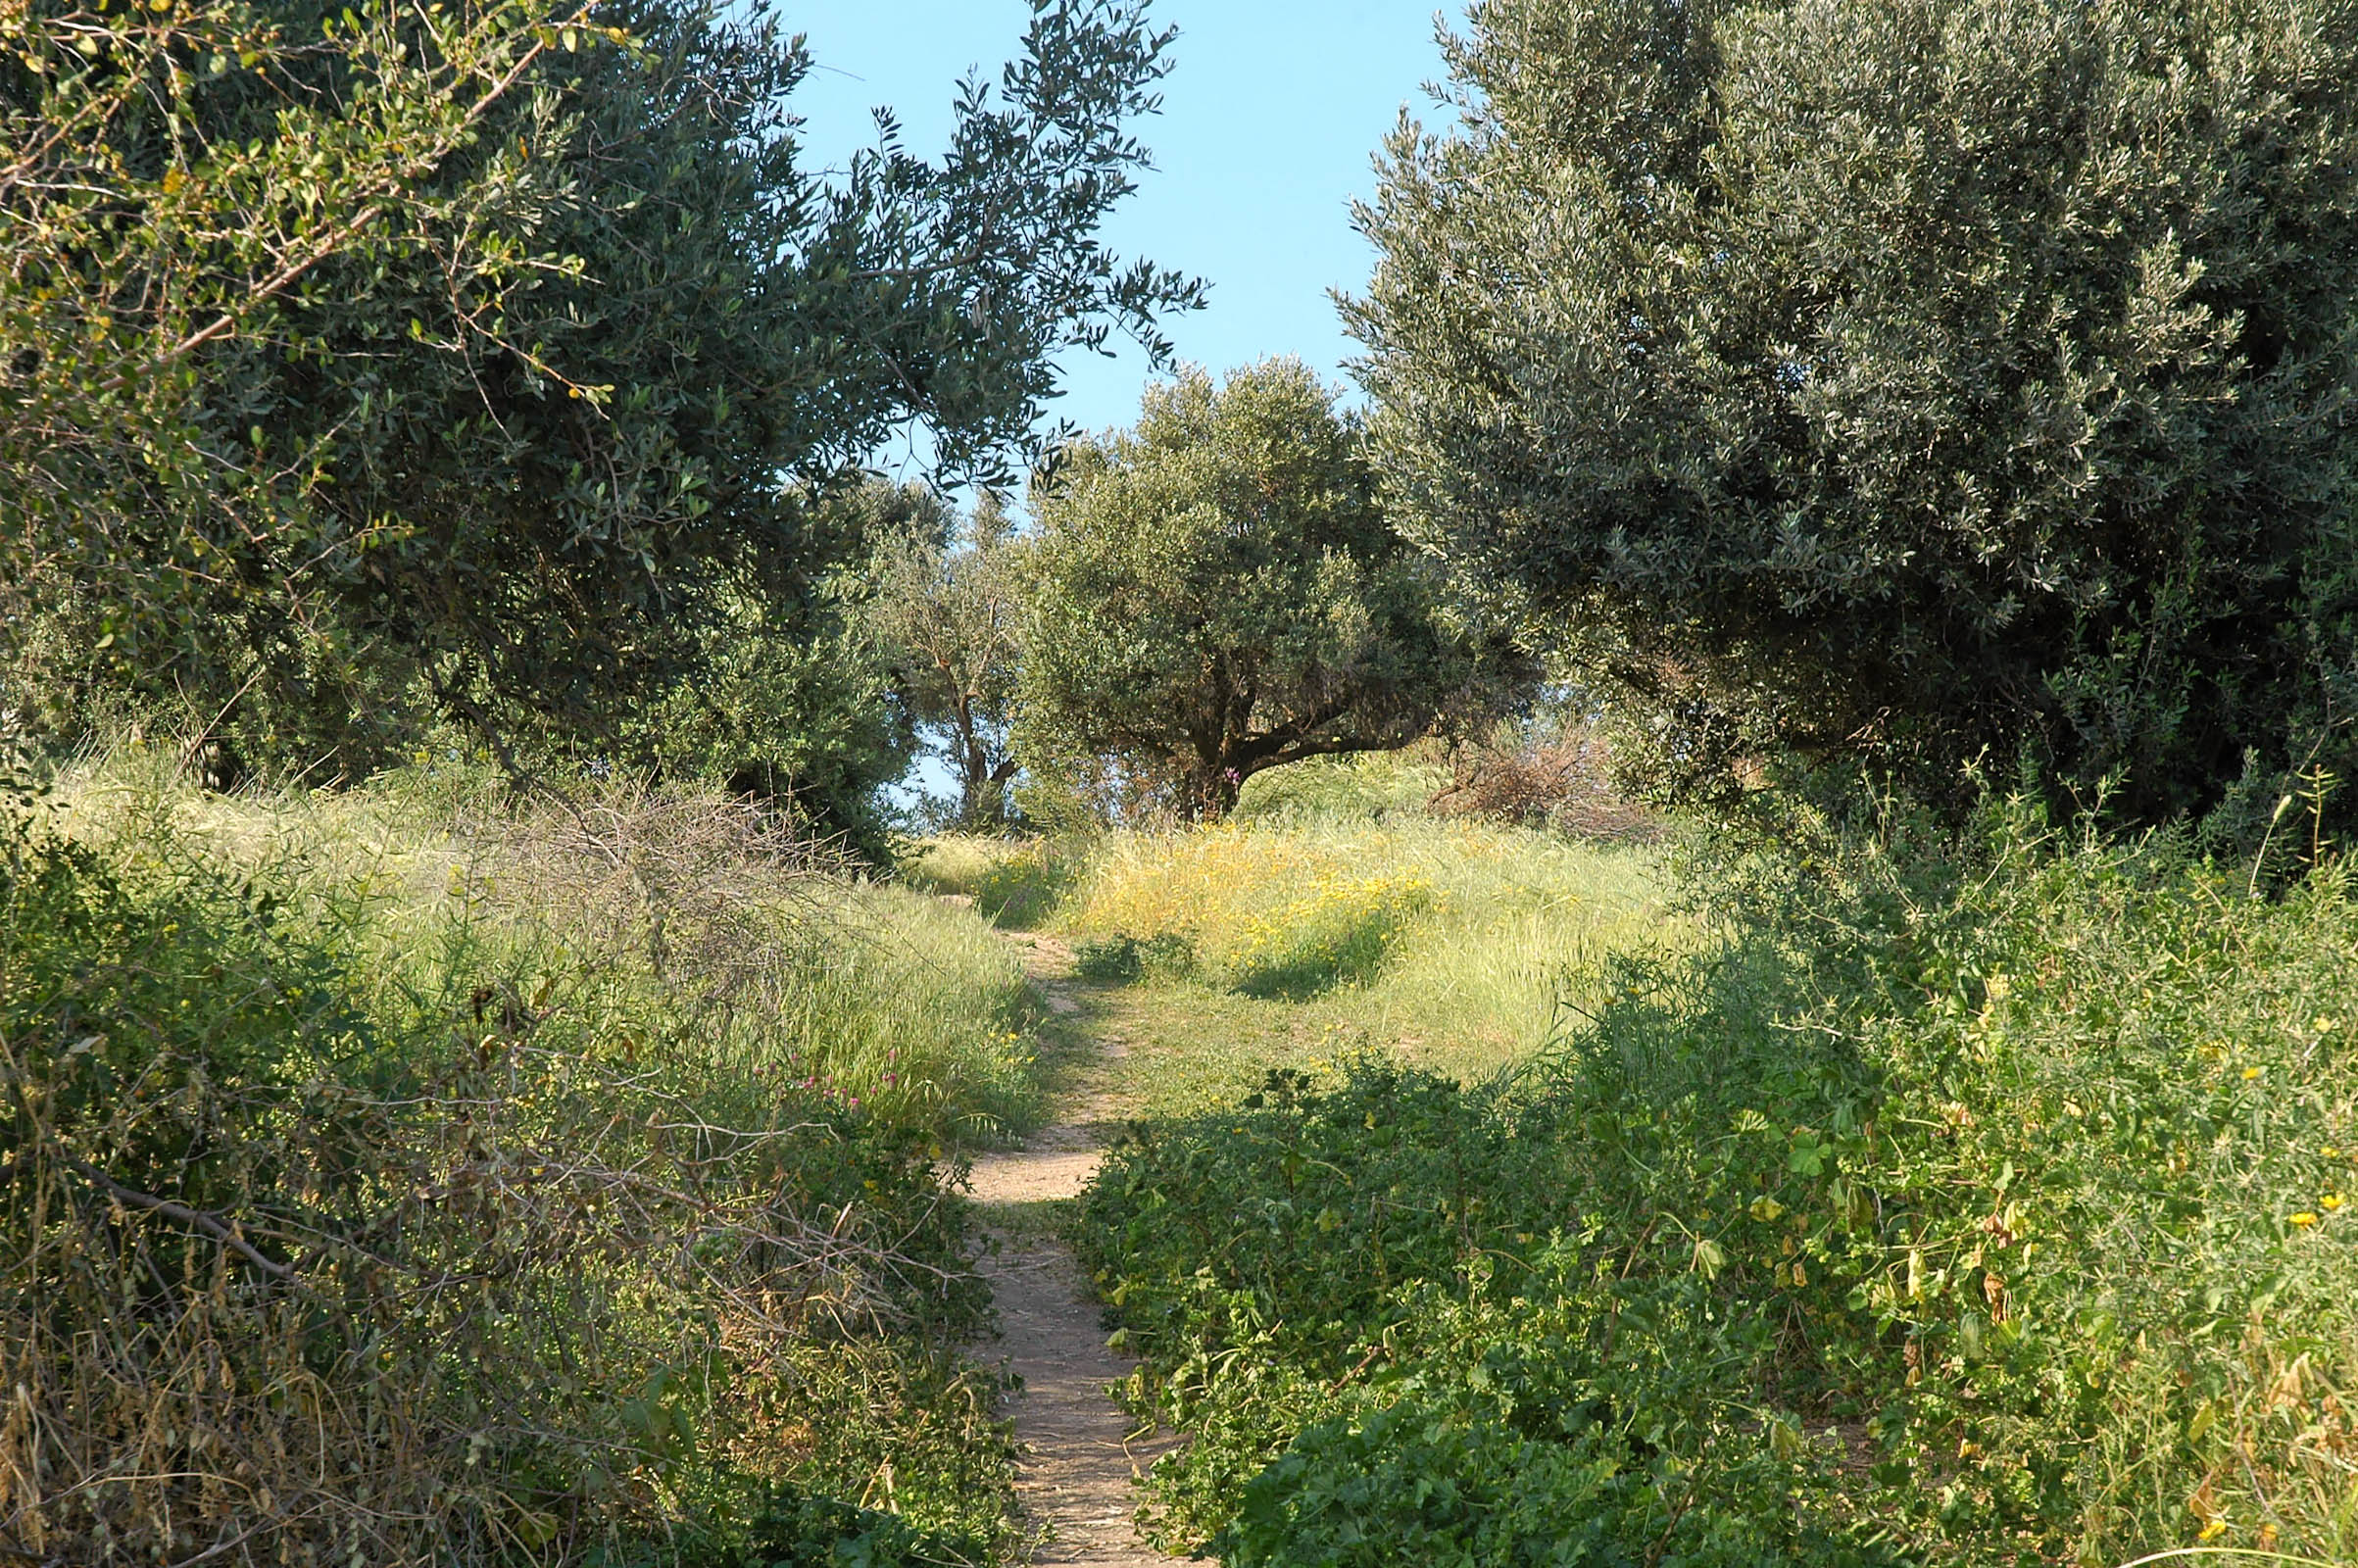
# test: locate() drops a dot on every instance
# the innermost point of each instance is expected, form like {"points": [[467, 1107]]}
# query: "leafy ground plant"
{"points": [[1971, 1210]]}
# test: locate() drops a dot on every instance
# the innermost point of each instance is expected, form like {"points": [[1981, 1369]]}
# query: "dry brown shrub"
{"points": [[1563, 783]]}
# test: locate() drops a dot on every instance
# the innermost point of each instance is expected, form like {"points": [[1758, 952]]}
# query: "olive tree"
{"points": [[946, 606], [1216, 591], [1898, 382], [485, 354]]}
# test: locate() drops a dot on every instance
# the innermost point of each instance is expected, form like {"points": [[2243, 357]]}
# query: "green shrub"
{"points": [[1122, 956], [1995, 1209], [797, 1529], [1115, 959], [1481, 1373]]}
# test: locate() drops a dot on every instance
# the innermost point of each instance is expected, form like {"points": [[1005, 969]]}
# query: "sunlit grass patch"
{"points": [[875, 997], [1999, 1209], [1460, 945], [1338, 932], [572, 1169], [1016, 883]]}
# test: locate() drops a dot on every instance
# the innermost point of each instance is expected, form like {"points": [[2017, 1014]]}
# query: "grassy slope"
{"points": [[1978, 1220], [1915, 1216], [700, 1094], [877, 994], [1313, 927]]}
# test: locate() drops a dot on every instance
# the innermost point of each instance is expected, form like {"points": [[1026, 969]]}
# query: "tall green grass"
{"points": [[1466, 943], [572, 1173], [678, 906]]}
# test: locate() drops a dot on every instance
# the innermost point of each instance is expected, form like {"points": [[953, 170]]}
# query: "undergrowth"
{"points": [[1984, 1214], [407, 1176]]}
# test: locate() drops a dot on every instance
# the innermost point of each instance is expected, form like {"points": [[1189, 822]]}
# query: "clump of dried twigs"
{"points": [[1561, 781]]}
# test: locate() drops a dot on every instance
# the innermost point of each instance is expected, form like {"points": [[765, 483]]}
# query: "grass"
{"points": [[1016, 884], [873, 996], [1293, 938], [575, 1173]]}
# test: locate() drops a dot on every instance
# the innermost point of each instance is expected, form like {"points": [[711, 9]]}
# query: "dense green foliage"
{"points": [[1216, 592], [573, 1181], [1928, 1217], [797, 1530], [360, 364], [1899, 382]]}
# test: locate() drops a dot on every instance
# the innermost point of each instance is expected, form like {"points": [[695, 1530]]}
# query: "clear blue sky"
{"points": [[1270, 118]]}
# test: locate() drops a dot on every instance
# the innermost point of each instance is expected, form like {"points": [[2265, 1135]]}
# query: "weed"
{"points": [[543, 1167], [1123, 957], [1466, 939], [1014, 884]]}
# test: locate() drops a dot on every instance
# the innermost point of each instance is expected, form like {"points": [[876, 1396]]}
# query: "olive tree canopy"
{"points": [[485, 347], [1216, 591], [1899, 382]]}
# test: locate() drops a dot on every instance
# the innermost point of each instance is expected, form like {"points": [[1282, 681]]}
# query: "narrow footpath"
{"points": [[1079, 1458]]}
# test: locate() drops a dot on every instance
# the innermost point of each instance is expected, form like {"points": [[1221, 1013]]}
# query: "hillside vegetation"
{"points": [[1602, 1077], [1330, 911], [1976, 1209], [406, 1174]]}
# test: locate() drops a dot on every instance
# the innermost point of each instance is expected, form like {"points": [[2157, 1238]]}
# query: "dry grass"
{"points": [[1563, 783], [378, 1191]]}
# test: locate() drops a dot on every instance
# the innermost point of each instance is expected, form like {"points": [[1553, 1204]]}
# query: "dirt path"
{"points": [[1079, 1459]]}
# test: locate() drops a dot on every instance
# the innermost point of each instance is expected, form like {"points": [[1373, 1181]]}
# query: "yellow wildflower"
{"points": [[2250, 1073], [2330, 1202], [2304, 1219]]}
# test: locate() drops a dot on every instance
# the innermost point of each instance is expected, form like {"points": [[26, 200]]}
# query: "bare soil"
{"points": [[1079, 1458]]}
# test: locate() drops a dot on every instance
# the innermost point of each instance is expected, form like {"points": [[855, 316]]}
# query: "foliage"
{"points": [[1448, 928], [365, 363], [1123, 957], [946, 605], [1216, 591], [1898, 383], [1336, 930], [1362, 786], [1423, 1404], [796, 712], [542, 1174], [797, 1530], [1014, 883], [1993, 1213]]}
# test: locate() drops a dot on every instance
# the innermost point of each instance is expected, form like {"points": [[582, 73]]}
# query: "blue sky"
{"points": [[1269, 120]]}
